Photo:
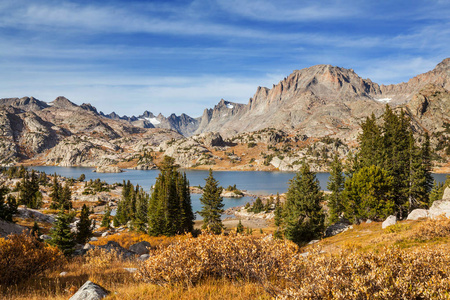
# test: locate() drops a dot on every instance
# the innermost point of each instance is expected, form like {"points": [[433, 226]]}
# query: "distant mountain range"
{"points": [[318, 101]]}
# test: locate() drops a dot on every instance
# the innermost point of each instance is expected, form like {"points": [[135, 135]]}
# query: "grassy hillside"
{"points": [[408, 260]]}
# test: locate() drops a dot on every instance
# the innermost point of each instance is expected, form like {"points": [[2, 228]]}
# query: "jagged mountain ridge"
{"points": [[320, 100], [63, 133], [314, 102]]}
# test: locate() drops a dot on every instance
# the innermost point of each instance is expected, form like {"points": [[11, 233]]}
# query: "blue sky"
{"points": [[184, 56]]}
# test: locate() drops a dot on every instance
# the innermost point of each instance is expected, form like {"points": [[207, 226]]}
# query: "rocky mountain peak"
{"points": [[443, 65], [147, 114], [89, 107], [24, 103], [63, 102]]}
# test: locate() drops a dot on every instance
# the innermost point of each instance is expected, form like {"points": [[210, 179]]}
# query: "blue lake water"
{"points": [[255, 182]]}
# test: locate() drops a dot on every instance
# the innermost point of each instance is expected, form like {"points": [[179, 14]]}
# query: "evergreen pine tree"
{"points": [[8, 209], [36, 231], [278, 213], [141, 216], [336, 186], [437, 192], [303, 216], [55, 194], [62, 237], [84, 226], [65, 197], [212, 205], [367, 195], [370, 143], [240, 228], [106, 219], [29, 194], [187, 215]]}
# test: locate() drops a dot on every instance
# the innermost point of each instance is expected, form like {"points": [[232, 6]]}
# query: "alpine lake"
{"points": [[254, 182]]}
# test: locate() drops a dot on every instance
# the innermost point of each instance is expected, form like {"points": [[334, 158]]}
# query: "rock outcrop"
{"points": [[391, 220], [7, 228], [441, 207], [90, 291], [108, 169], [418, 214]]}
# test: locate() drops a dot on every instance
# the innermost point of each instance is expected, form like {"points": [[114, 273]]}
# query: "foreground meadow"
{"points": [[406, 261]]}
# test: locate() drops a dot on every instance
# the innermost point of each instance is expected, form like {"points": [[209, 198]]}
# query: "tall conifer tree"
{"points": [[84, 226], [62, 236], [336, 186], [212, 204], [303, 215]]}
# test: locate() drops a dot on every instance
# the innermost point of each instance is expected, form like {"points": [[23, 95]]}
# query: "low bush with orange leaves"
{"points": [[432, 228], [390, 273], [210, 256], [23, 256]]}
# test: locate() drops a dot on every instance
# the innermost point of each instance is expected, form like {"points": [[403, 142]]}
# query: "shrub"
{"points": [[237, 258], [432, 228], [23, 256]]}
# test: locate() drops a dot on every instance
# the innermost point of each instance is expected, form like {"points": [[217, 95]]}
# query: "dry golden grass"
{"points": [[408, 261], [126, 239]]}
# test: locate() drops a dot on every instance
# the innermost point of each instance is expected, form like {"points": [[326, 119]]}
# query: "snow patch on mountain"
{"points": [[383, 99], [154, 121]]}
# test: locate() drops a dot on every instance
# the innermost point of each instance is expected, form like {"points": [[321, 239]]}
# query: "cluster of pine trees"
{"points": [[170, 209], [61, 196], [132, 207], [391, 174]]}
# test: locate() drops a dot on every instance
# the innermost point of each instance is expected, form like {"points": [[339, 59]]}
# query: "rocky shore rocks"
{"points": [[108, 169]]}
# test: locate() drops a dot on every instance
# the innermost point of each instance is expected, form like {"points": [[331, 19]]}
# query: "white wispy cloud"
{"points": [[290, 11]]}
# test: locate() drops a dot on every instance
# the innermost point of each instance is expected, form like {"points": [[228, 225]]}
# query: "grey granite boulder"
{"points": [[417, 214], [90, 291], [140, 248], [336, 228], [391, 220], [144, 257]]}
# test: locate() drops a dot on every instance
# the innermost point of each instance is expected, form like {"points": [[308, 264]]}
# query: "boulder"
{"points": [[140, 248], [114, 246], [144, 257], [446, 194], [88, 246], [7, 228], [391, 220], [93, 239], [90, 291], [417, 214], [336, 228], [24, 212], [213, 139], [440, 207], [45, 237]]}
